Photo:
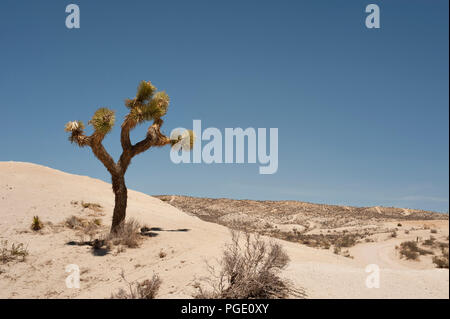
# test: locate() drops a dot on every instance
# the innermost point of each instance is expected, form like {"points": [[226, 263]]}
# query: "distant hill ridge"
{"points": [[222, 206]]}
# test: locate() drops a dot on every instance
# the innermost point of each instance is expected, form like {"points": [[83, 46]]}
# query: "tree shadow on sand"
{"points": [[158, 229], [98, 246]]}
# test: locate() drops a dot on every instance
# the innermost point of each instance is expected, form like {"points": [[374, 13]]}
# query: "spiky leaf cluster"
{"points": [[158, 105], [103, 120], [145, 91], [154, 109], [74, 126]]}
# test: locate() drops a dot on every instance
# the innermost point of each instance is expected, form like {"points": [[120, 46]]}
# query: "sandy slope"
{"points": [[29, 189]]}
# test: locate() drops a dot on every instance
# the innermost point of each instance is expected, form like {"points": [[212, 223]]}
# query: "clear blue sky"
{"points": [[363, 115]]}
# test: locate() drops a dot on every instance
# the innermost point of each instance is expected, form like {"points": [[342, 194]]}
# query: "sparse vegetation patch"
{"points": [[12, 253], [89, 227], [411, 251], [127, 234], [441, 261], [249, 269], [147, 289]]}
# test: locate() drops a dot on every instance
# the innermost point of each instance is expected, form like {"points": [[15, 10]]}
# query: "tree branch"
{"points": [[78, 137], [95, 142], [154, 138], [125, 135]]}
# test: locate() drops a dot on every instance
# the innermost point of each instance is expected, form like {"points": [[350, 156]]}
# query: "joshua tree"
{"points": [[148, 105]]}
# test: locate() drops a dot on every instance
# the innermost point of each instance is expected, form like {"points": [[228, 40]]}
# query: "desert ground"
{"points": [[186, 232]]}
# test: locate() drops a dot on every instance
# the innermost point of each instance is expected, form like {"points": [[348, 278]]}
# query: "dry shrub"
{"points": [[346, 241], [86, 227], [93, 206], [311, 240], [429, 242], [346, 253], [250, 269], [433, 231], [408, 250], [411, 251], [15, 252], [127, 234], [147, 289], [441, 261], [36, 224], [394, 234], [74, 222], [425, 252], [337, 250]]}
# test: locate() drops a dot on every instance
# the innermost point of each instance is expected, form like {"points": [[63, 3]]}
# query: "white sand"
{"points": [[28, 189]]}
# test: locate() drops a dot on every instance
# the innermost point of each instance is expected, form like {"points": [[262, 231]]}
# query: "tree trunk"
{"points": [[120, 207]]}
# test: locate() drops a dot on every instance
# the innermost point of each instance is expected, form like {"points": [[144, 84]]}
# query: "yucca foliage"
{"points": [[103, 120], [147, 106], [74, 126], [36, 224]]}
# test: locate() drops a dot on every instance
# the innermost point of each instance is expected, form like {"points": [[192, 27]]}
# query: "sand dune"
{"points": [[28, 189]]}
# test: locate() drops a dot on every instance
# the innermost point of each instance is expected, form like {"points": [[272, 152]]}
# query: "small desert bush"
{"points": [[128, 234], [15, 252], [441, 261], [93, 206], [429, 242], [147, 289], [394, 234], [249, 269], [346, 253], [411, 251], [36, 224], [337, 250], [88, 227], [433, 231], [74, 222], [315, 241], [346, 241], [408, 250], [425, 252], [406, 231]]}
